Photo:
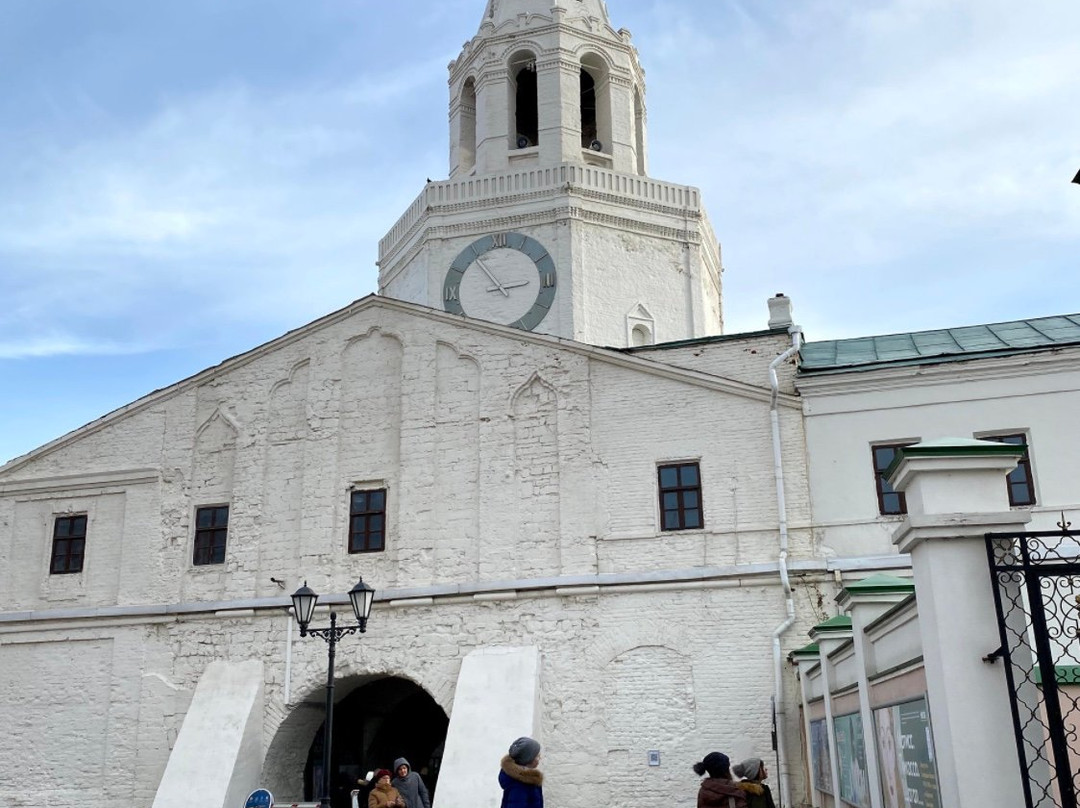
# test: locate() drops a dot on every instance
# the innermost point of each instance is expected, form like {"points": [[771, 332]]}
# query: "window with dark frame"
{"points": [[1019, 482], [367, 521], [69, 544], [211, 534], [890, 502], [680, 496]]}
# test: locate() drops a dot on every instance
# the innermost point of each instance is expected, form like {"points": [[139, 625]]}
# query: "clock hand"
{"points": [[512, 285], [493, 279]]}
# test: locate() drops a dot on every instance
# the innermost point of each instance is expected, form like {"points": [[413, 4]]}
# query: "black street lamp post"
{"points": [[304, 599]]}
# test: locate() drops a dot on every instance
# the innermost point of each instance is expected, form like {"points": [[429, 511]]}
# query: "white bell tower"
{"points": [[526, 102], [548, 221]]}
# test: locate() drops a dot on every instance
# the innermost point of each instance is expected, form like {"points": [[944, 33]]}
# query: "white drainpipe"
{"points": [[779, 703]]}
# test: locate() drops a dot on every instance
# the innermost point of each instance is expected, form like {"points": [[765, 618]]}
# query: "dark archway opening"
{"points": [[375, 724], [588, 110], [526, 108]]}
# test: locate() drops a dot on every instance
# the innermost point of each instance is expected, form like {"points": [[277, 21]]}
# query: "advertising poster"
{"points": [[906, 751], [820, 758], [851, 760]]}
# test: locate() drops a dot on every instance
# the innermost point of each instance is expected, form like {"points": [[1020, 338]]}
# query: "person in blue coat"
{"points": [[522, 783]]}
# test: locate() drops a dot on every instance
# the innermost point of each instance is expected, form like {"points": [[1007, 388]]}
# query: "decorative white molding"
{"points": [[69, 483], [726, 576], [504, 188]]}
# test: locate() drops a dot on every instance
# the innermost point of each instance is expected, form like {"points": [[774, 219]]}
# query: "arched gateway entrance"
{"points": [[377, 721]]}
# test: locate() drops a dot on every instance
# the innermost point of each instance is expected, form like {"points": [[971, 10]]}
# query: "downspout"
{"points": [[779, 705]]}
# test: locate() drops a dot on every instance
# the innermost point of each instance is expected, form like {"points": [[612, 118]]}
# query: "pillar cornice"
{"points": [[918, 528]]}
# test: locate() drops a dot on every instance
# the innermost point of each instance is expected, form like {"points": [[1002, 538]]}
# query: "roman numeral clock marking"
{"points": [[499, 276]]}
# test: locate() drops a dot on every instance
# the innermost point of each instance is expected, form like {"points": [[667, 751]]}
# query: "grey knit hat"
{"points": [[524, 751], [749, 769]]}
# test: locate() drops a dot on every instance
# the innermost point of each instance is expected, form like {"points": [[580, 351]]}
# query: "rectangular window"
{"points": [[211, 532], [1019, 481], [680, 496], [889, 501], [69, 543], [367, 521]]}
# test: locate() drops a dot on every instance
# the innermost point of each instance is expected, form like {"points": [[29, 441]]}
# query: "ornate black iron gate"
{"points": [[1036, 579]]}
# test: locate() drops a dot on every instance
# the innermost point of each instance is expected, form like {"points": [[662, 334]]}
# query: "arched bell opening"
{"points": [[378, 721], [588, 110], [595, 104], [467, 126], [524, 102]]}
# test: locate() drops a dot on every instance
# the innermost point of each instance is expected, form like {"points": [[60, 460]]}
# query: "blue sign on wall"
{"points": [[260, 798]]}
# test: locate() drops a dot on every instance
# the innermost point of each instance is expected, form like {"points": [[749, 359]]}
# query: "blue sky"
{"points": [[182, 181]]}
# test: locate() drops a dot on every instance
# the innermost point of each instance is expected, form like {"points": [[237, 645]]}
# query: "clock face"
{"points": [[506, 278]]}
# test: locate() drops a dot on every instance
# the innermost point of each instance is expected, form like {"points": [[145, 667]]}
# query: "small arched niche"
{"points": [[640, 327], [467, 126], [640, 336], [524, 102], [595, 104]]}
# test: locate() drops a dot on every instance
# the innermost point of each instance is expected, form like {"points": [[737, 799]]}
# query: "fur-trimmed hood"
{"points": [[532, 777], [750, 787]]}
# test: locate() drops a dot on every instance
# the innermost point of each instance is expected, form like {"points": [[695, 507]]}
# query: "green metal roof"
{"points": [[944, 345], [811, 650], [833, 625], [952, 447], [882, 583]]}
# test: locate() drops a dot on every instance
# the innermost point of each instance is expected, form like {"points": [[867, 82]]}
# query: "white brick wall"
{"points": [[505, 456]]}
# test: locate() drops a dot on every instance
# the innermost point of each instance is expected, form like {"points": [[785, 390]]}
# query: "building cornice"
{"points": [[71, 483], [424, 232], [509, 35], [557, 586], [508, 186]]}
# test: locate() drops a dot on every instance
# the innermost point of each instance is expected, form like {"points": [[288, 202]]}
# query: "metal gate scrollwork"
{"points": [[1036, 578]]}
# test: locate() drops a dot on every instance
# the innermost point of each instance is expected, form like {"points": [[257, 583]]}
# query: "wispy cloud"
{"points": [[852, 148], [60, 344]]}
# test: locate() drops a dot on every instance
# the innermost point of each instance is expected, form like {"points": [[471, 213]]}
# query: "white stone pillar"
{"points": [[956, 493], [493, 120], [805, 658], [829, 636], [865, 601], [558, 89]]}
